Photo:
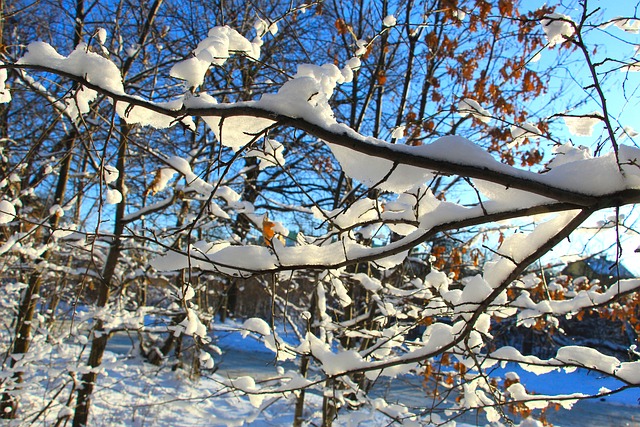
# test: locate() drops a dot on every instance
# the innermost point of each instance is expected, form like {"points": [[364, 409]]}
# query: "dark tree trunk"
{"points": [[100, 336]]}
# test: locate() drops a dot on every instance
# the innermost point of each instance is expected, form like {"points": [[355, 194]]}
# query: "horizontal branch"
{"points": [[426, 157]]}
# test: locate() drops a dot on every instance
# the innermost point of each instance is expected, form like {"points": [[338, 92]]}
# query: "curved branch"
{"points": [[426, 157]]}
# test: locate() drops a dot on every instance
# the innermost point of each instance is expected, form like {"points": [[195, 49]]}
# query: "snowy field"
{"points": [[248, 357], [132, 393]]}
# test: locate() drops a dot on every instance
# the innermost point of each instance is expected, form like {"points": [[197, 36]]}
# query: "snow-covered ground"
{"points": [[133, 393], [249, 357]]}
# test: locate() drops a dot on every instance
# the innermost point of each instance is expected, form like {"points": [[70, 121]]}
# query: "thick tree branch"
{"points": [[343, 136]]}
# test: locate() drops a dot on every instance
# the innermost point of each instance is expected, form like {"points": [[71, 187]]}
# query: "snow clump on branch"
{"points": [[557, 27], [582, 125], [389, 21], [7, 212], [629, 25], [471, 107], [101, 72], [525, 130], [5, 95], [214, 50]]}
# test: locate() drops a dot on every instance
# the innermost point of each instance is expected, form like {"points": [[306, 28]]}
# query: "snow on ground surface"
{"points": [[137, 394], [133, 393]]}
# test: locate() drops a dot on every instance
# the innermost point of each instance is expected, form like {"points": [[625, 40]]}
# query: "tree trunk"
{"points": [[329, 410], [299, 409], [30, 298], [26, 309], [100, 336], [304, 368]]}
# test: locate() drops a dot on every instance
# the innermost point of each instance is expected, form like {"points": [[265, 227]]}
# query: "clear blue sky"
{"points": [[622, 92]]}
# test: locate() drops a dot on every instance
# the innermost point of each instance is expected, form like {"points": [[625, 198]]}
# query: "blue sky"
{"points": [[622, 93]]}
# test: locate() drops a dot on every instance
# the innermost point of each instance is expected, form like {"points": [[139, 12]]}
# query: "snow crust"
{"points": [[398, 132], [307, 94], [582, 299], [161, 179], [134, 114], [519, 245]]}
